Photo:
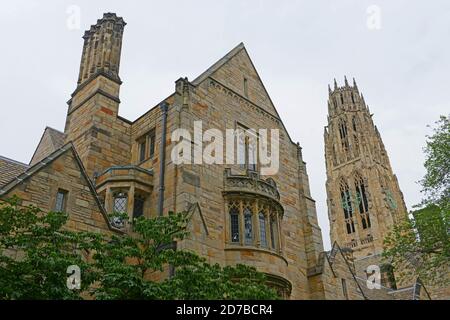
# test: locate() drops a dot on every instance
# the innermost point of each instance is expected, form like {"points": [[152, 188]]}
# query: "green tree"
{"points": [[128, 263], [35, 251], [422, 243]]}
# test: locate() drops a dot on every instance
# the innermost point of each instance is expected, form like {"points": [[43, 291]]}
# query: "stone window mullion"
{"points": [[267, 224], [242, 223], [108, 200], [228, 232], [277, 219], [130, 204]]}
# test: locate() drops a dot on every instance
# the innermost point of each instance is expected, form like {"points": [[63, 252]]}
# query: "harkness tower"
{"points": [[363, 195]]}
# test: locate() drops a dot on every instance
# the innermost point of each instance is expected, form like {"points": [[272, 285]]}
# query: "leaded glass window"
{"points": [[138, 208], [248, 224], [234, 223], [120, 202]]}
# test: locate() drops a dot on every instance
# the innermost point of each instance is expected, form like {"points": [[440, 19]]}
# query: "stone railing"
{"points": [[125, 173], [351, 244], [367, 239], [251, 183]]}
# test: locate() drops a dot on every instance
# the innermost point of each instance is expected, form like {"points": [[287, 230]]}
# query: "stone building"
{"points": [[363, 194], [240, 213]]}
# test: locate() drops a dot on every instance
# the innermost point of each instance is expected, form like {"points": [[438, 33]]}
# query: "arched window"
{"points": [[342, 98], [346, 201], [353, 98], [234, 222], [343, 129], [343, 135], [354, 123], [248, 225], [362, 202]]}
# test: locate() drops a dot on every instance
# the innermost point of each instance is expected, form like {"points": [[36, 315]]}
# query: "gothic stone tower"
{"points": [[100, 136], [363, 196]]}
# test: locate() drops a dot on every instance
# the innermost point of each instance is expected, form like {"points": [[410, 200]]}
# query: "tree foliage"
{"points": [[420, 246], [128, 263], [36, 249]]}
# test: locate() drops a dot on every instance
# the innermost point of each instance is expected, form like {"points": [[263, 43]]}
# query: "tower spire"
{"points": [[345, 81]]}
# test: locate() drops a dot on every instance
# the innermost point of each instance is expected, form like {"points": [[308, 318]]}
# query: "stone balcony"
{"points": [[125, 174]]}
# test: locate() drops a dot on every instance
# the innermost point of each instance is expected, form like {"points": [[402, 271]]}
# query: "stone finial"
{"points": [[345, 81], [335, 84]]}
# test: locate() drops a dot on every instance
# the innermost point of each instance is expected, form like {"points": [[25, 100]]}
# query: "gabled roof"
{"points": [[50, 141], [48, 160], [9, 169], [221, 62], [216, 66]]}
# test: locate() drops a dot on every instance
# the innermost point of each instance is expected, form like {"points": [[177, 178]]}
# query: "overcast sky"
{"points": [[398, 51]]}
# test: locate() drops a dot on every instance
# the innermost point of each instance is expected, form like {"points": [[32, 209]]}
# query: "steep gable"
{"points": [[51, 140], [61, 170], [232, 69]]}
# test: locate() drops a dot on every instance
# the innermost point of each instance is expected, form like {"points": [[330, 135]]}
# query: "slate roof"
{"points": [[9, 169]]}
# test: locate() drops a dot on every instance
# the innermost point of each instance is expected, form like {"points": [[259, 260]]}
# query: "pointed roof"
{"points": [[50, 141], [226, 58], [30, 171], [216, 66], [9, 169]]}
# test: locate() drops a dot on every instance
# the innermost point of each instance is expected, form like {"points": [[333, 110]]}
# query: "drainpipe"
{"points": [[162, 153]]}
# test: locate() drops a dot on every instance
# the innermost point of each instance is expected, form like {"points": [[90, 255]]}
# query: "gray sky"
{"points": [[298, 47]]}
